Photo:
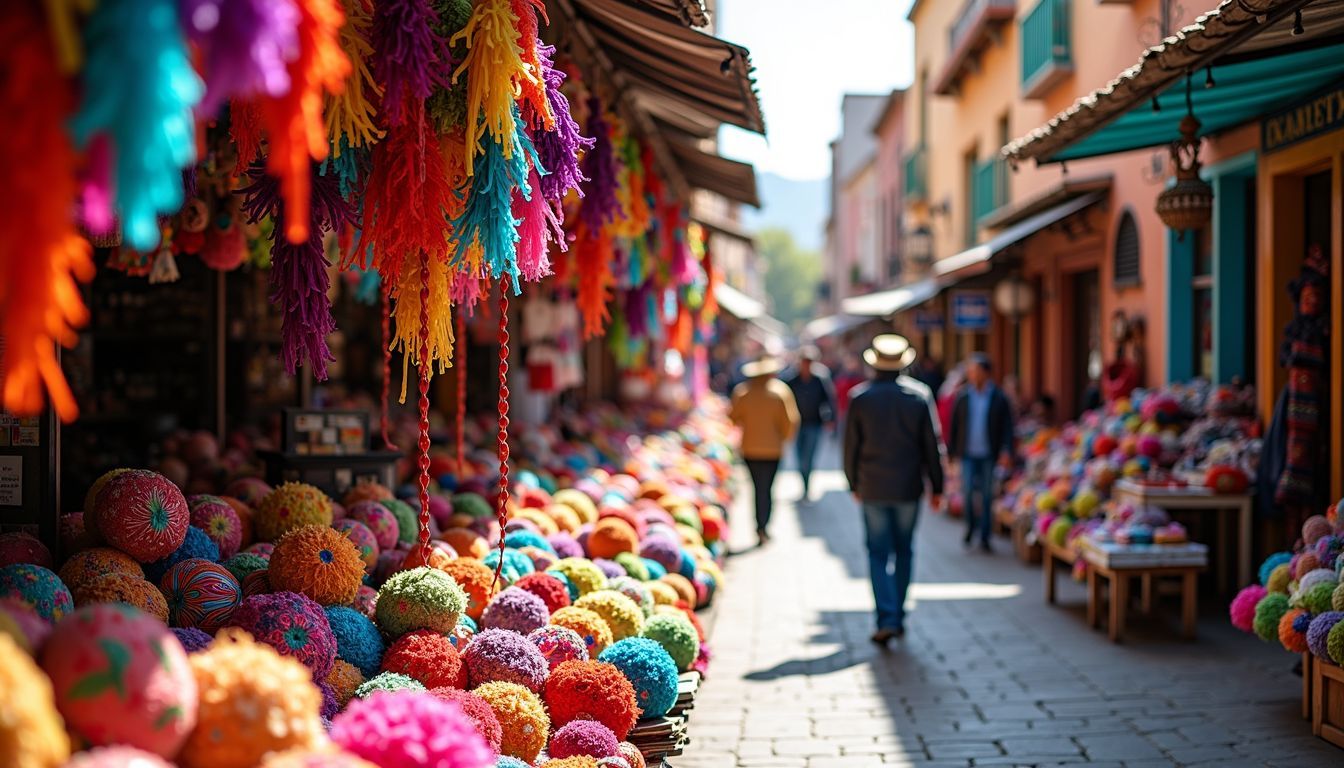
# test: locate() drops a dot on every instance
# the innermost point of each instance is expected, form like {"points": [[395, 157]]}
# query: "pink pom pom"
{"points": [[1242, 609], [411, 729]]}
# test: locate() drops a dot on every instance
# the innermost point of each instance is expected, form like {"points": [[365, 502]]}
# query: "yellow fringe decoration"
{"points": [[495, 67], [407, 316], [349, 112], [62, 18]]}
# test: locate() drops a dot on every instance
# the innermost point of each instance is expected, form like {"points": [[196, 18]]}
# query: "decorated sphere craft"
{"points": [[363, 539], [219, 521], [583, 574], [319, 562], [548, 587], [411, 729], [515, 609], [558, 645], [592, 690], [472, 505], [651, 671], [249, 490], [142, 514], [20, 547], [421, 598], [588, 624], [37, 587], [191, 638], [477, 580], [91, 564], [252, 701], [200, 594], [21, 622], [677, 636], [408, 521], [623, 616], [120, 677], [523, 722], [499, 654], [245, 563], [631, 753], [293, 625], [358, 640], [388, 681], [378, 519], [195, 546], [662, 550], [466, 542], [290, 506], [130, 590], [428, 657], [633, 565], [587, 738], [637, 591]]}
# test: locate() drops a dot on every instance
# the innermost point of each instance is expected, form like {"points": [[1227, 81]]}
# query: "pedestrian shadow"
{"points": [[843, 539], [850, 629]]}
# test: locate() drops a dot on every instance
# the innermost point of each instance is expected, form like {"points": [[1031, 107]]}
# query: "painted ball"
{"points": [[589, 625], [428, 657], [120, 677], [257, 583], [592, 690], [515, 609], [19, 547], [142, 514], [252, 701], [677, 636], [421, 598], [219, 521], [293, 625], [1318, 633], [200, 594], [319, 562], [129, 590], [378, 519], [366, 600], [91, 496], [476, 579], [408, 520], [290, 506], [546, 586], [387, 681], [524, 724], [475, 708], [651, 671], [558, 645], [358, 640], [92, 564], [623, 615], [363, 539], [411, 729], [498, 654], [39, 588]]}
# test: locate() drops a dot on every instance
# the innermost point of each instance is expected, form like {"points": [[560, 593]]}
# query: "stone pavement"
{"points": [[987, 675]]}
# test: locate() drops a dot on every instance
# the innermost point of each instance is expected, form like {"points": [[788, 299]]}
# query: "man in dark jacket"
{"points": [[815, 396], [981, 433], [891, 448]]}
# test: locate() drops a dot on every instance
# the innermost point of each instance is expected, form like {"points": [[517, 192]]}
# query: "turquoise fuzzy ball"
{"points": [[655, 569], [650, 669], [358, 641], [1272, 562], [525, 538]]}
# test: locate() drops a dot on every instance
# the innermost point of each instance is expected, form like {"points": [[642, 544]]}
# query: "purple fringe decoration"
{"points": [[245, 44], [559, 149], [600, 205], [299, 279], [409, 57], [637, 311]]}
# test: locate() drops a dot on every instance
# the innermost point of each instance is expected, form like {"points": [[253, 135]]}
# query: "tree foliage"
{"points": [[791, 276]]}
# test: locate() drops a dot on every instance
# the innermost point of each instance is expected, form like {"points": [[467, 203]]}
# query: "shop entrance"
{"points": [[1085, 327]]}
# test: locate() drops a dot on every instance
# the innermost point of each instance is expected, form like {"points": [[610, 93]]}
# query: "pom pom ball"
{"points": [[200, 594], [1272, 562], [366, 490], [410, 729], [610, 568], [1304, 564], [388, 681], [576, 761], [677, 636], [18, 547], [633, 565], [327, 756], [662, 592], [1337, 598], [195, 546], [249, 490], [565, 545], [421, 598], [261, 549], [476, 579], [1279, 579], [191, 638], [344, 679], [290, 506], [589, 625], [408, 520], [465, 630], [583, 574], [472, 505], [546, 586], [592, 690], [219, 521], [1242, 609], [318, 562], [428, 657], [31, 732], [475, 708], [257, 583], [651, 671], [142, 514], [655, 569], [501, 655], [117, 757], [558, 645], [357, 639], [293, 625], [636, 591], [587, 738], [1328, 549], [1334, 643], [1314, 529], [1318, 633], [523, 721], [366, 544], [623, 616], [27, 628], [120, 677], [37, 587], [631, 754], [515, 609], [1292, 639], [378, 519], [611, 535], [92, 564], [129, 590], [524, 538], [252, 701], [245, 563], [663, 551], [466, 542], [1317, 598]]}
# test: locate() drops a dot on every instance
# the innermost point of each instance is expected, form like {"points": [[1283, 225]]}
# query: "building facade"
{"points": [[853, 258]]}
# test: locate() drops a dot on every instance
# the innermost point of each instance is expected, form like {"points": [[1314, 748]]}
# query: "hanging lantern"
{"points": [[1187, 204]]}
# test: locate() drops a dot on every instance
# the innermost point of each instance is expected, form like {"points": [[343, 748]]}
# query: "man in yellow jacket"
{"points": [[764, 409]]}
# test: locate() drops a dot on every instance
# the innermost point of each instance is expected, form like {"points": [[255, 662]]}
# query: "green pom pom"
{"points": [[1334, 643], [689, 518], [1268, 612], [633, 565], [472, 505], [1278, 579], [408, 521], [677, 636], [421, 598], [1319, 597], [244, 563], [1337, 598], [1058, 534], [387, 681]]}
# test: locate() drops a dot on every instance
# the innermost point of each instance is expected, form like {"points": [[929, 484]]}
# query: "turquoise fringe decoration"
{"points": [[488, 214], [366, 291], [139, 89]]}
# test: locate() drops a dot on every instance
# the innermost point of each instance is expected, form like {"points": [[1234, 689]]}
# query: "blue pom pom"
{"points": [[525, 538], [516, 564], [528, 478], [650, 669], [1272, 562], [505, 761], [357, 639], [195, 545], [656, 569], [570, 587], [687, 565]]}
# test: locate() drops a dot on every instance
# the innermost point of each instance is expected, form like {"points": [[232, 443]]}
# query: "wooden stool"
{"points": [[1051, 558], [1119, 594]]}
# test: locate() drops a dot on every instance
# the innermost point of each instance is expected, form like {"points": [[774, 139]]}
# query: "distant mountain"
{"points": [[798, 205]]}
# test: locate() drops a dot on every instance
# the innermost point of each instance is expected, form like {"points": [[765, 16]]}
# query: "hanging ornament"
{"points": [[410, 58], [243, 47], [558, 149], [594, 254], [502, 438], [532, 88], [495, 73], [600, 205], [245, 132], [350, 113], [487, 220], [386, 317], [423, 319], [538, 226], [42, 256], [1187, 204]]}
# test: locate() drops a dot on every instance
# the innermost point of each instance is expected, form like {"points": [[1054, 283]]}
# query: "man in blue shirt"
{"points": [[981, 433]]}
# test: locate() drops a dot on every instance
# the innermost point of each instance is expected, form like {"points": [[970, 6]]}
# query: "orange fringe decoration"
{"points": [[533, 90], [41, 253], [594, 257], [294, 127]]}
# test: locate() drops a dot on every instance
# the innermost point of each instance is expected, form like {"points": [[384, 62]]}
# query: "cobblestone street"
{"points": [[987, 675]]}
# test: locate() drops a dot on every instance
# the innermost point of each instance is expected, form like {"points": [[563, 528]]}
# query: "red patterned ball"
{"points": [[363, 539], [200, 594], [377, 518], [591, 690], [219, 521], [427, 657], [142, 514], [551, 590], [257, 583], [477, 710], [291, 624], [19, 547]]}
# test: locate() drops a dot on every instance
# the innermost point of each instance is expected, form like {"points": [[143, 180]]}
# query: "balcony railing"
{"points": [[990, 190], [1047, 54], [916, 174], [968, 34]]}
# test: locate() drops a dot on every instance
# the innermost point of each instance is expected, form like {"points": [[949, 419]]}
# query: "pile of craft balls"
{"points": [[292, 630], [1298, 601]]}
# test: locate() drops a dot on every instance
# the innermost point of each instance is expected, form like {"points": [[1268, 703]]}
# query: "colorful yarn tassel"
{"points": [[350, 114], [635, 213], [245, 132], [466, 292], [410, 58], [407, 315], [488, 219], [63, 18], [539, 225], [559, 149], [495, 71], [594, 256], [532, 90], [42, 256], [139, 89], [96, 193], [600, 204], [244, 46], [295, 131]]}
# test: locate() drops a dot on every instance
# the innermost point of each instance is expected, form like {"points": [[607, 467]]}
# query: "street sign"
{"points": [[970, 310], [927, 321]]}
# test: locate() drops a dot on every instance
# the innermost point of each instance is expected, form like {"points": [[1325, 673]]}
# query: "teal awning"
{"points": [[1244, 92]]}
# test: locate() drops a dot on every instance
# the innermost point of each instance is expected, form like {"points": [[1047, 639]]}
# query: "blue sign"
{"points": [[927, 321], [970, 311]]}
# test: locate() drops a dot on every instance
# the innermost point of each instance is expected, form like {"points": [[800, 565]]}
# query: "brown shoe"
{"points": [[884, 636], [762, 538]]}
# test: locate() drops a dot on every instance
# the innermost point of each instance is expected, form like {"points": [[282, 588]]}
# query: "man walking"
{"points": [[815, 397], [890, 449], [981, 432], [764, 410]]}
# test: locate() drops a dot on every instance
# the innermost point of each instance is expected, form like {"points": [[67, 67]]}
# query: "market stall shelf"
{"points": [[1327, 701], [1119, 571], [1201, 499], [1053, 557]]}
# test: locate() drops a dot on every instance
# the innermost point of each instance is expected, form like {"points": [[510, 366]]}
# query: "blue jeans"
{"points": [[809, 435], [889, 534], [977, 479]]}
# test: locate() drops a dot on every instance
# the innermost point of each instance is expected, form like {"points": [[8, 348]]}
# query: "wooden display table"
{"points": [[1118, 565], [1199, 499], [1051, 558], [1327, 700]]}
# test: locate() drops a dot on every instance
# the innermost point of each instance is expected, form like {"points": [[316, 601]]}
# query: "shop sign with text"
{"points": [[1318, 115]]}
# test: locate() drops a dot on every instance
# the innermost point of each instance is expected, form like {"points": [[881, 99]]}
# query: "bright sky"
{"points": [[807, 55]]}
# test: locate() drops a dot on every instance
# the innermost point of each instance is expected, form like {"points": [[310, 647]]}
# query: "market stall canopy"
{"points": [[706, 170], [692, 13], [1242, 40], [831, 325], [975, 261], [888, 303], [737, 303], [664, 61]]}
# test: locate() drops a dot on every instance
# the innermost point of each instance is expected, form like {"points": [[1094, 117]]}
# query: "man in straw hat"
{"points": [[763, 408], [891, 448]]}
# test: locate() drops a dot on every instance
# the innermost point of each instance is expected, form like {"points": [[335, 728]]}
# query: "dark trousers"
{"points": [[977, 479], [805, 445], [763, 473]]}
